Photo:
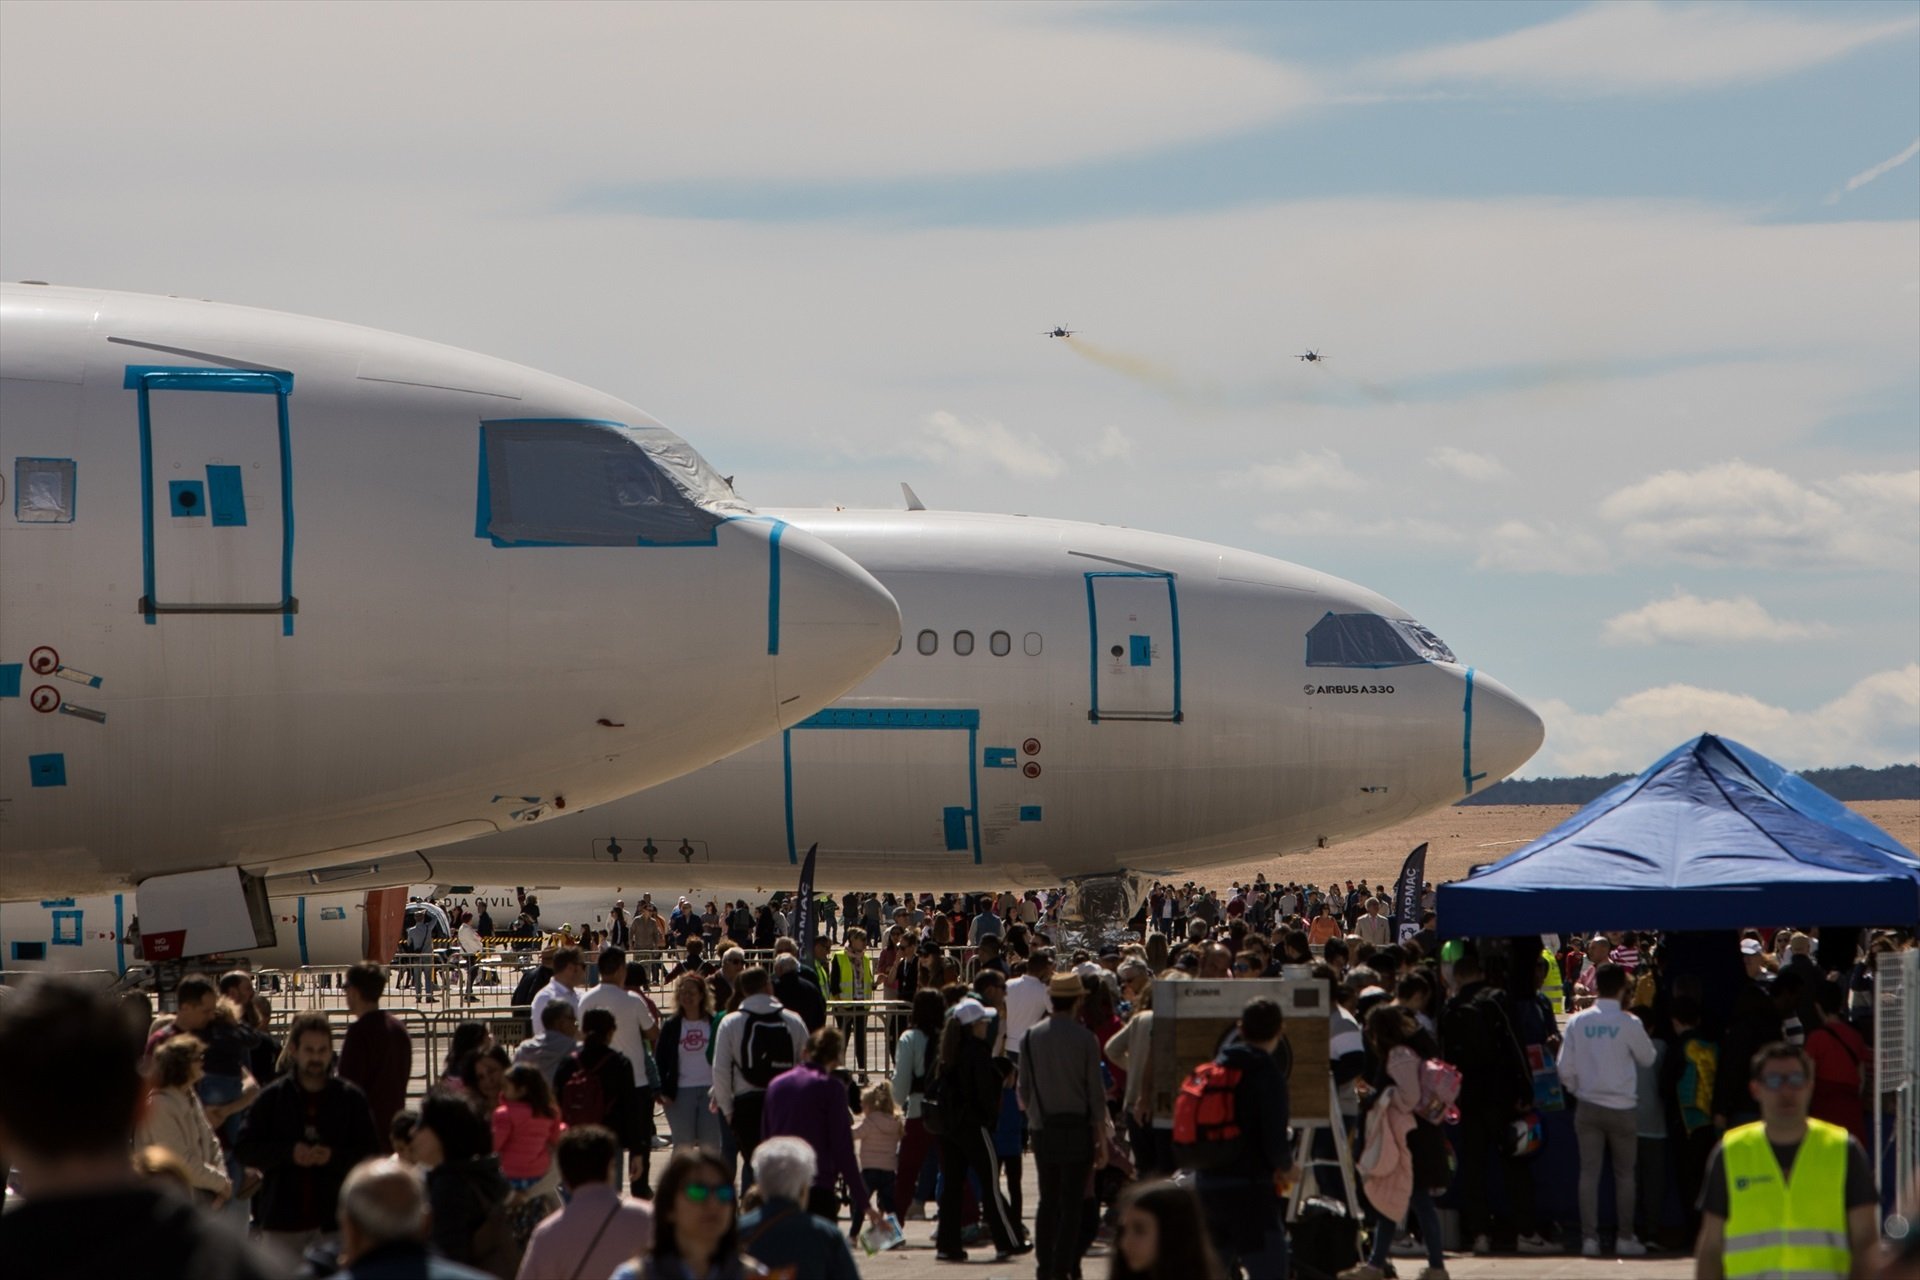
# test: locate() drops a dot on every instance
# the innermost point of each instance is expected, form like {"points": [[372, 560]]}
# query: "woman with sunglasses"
{"points": [[695, 1230]]}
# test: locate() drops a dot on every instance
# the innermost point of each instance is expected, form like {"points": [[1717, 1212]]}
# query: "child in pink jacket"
{"points": [[526, 1127]]}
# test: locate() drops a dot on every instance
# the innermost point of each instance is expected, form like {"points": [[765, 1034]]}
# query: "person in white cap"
{"points": [[970, 1083]]}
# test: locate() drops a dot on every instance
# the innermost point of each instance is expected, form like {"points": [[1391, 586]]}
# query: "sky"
{"points": [[1619, 303]]}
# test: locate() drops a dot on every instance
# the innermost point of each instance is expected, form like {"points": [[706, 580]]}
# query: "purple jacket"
{"points": [[808, 1104]]}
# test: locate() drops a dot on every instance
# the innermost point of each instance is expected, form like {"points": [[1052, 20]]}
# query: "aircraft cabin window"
{"points": [[929, 642], [593, 484], [1001, 643], [1358, 640], [963, 643], [1033, 644], [43, 490]]}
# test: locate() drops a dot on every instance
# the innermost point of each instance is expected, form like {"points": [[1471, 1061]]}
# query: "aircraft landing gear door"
{"points": [[218, 505], [1135, 623], [933, 791]]}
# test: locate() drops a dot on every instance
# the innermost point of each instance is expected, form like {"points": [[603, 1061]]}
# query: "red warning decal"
{"points": [[1031, 746], [45, 699], [44, 660], [1031, 768]]}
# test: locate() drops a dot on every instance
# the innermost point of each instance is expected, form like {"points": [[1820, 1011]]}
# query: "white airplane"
{"points": [[1072, 703], [510, 596]]}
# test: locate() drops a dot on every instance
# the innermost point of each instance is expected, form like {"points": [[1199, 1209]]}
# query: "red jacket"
{"points": [[1839, 1056]]}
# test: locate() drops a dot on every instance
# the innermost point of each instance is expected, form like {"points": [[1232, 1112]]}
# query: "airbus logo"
{"points": [[1311, 689]]}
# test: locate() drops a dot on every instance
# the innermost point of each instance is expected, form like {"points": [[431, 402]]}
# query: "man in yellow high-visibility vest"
{"points": [[850, 977], [1787, 1197]]}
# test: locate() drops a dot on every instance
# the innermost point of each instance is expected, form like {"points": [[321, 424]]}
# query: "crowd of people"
{"points": [[795, 1149]]}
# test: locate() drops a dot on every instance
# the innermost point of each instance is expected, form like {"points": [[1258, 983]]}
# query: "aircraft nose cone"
{"points": [[1502, 732], [829, 624]]}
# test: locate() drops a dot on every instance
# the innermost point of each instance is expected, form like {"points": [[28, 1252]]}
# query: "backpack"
{"points": [[583, 1098], [766, 1048], [495, 1251], [1206, 1120], [1439, 1087]]}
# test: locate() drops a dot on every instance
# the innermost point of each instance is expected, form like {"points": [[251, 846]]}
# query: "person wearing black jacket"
{"points": [[305, 1132], [1496, 1087], [1242, 1196], [968, 1091], [464, 1185], [792, 989], [618, 1086]]}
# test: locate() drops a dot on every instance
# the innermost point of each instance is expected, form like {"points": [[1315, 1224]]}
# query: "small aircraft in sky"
{"points": [[1311, 356], [1058, 331]]}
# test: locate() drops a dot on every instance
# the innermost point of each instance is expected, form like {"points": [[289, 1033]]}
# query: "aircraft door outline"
{"points": [[959, 826], [212, 541], [1133, 640]]}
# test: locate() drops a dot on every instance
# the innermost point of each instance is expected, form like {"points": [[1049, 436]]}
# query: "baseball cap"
{"points": [[970, 1011], [1749, 946]]}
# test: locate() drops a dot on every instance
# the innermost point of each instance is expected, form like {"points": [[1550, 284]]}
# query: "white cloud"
{"points": [[1468, 465], [1880, 170], [1114, 445], [1310, 470], [1515, 546], [1874, 723], [1635, 46], [1684, 618], [1734, 513], [991, 446], [507, 96]]}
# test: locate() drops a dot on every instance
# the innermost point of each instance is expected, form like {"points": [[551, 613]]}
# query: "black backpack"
{"points": [[766, 1048]]}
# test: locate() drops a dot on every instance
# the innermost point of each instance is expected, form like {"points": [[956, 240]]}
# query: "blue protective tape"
{"points": [[892, 718], [773, 585], [67, 926], [188, 377], [187, 498], [954, 819], [786, 752], [1093, 641], [147, 378], [1466, 738], [1140, 651], [9, 679], [300, 925], [48, 770], [1029, 813], [998, 758], [225, 502], [120, 933]]}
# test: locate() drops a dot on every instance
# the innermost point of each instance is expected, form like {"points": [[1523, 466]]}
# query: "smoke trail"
{"points": [[1139, 368]]}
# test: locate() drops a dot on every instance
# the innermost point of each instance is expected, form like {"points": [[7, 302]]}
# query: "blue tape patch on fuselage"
{"points": [[10, 679], [225, 500], [186, 499], [954, 818], [1029, 813], [48, 770], [999, 758]]}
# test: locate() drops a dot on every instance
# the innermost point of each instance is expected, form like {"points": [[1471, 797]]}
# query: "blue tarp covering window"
{"points": [[1369, 640], [585, 484]]}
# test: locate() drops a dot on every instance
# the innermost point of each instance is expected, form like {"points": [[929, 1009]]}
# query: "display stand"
{"points": [[1305, 1162]]}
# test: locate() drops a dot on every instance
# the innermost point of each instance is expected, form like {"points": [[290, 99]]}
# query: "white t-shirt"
{"points": [[631, 1019], [695, 1071], [554, 990], [1027, 1003]]}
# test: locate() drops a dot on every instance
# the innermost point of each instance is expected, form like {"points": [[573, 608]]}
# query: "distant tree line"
{"points": [[1895, 782]]}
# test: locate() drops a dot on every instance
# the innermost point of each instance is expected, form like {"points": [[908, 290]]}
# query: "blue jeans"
{"points": [[216, 1091], [693, 1124], [1424, 1212]]}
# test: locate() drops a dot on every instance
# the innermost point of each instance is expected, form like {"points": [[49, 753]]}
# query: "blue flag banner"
{"points": [[1406, 895], [805, 914]]}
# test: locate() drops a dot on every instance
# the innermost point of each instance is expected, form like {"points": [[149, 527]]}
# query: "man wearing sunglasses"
{"points": [[1786, 1195]]}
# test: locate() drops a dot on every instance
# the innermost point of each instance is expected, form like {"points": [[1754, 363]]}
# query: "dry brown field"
{"points": [[1460, 839]]}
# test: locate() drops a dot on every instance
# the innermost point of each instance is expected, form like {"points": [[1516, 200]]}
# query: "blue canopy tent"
{"points": [[1713, 836]]}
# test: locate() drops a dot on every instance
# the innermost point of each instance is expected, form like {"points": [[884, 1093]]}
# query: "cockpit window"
{"points": [[588, 484], [1369, 640]]}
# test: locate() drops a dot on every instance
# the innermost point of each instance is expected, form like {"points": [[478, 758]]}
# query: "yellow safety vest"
{"points": [[1556, 992], [843, 961], [1781, 1229]]}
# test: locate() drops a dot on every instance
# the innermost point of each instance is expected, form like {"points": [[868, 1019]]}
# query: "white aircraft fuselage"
{"points": [[1069, 701], [280, 593]]}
